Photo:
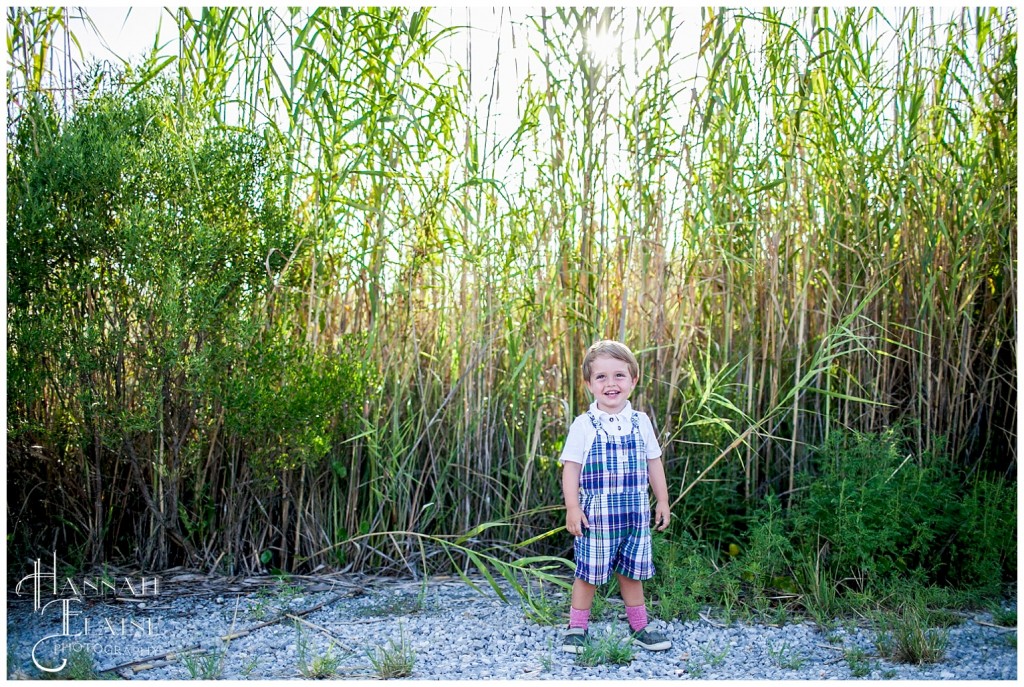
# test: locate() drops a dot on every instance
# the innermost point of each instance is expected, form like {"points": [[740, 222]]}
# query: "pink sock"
{"points": [[637, 616], [578, 618]]}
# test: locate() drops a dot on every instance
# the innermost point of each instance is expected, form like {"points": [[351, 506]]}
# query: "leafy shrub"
{"points": [[768, 558], [142, 255], [292, 407], [875, 510], [983, 547], [873, 524], [688, 578]]}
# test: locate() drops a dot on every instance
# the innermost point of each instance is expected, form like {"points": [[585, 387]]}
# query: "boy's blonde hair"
{"points": [[610, 349]]}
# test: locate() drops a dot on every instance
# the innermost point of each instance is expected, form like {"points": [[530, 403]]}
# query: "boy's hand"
{"points": [[575, 521], [662, 515]]}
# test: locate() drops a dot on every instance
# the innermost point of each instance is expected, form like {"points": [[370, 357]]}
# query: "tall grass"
{"points": [[814, 229]]}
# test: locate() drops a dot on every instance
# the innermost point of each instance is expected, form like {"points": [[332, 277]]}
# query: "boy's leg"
{"points": [[583, 594], [579, 616], [636, 613], [582, 600], [632, 590], [633, 594]]}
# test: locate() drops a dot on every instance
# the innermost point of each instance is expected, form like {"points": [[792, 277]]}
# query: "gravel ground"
{"points": [[455, 632]]}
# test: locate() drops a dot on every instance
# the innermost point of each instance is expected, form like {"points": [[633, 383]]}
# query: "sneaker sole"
{"points": [[572, 648], [658, 646]]}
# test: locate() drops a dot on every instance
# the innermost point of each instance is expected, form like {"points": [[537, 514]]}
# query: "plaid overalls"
{"points": [[613, 496]]}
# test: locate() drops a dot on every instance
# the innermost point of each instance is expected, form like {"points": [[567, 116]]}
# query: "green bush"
{"points": [[982, 553], [292, 406], [689, 578], [874, 510], [767, 560], [873, 525], [144, 253]]}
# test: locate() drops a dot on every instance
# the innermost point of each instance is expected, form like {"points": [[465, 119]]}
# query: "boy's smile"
{"points": [[610, 383]]}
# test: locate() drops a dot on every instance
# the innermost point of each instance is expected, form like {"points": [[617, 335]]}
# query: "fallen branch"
{"points": [[323, 631], [709, 621], [1003, 628], [150, 661]]}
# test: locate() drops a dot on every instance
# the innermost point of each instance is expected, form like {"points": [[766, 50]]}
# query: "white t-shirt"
{"points": [[582, 433]]}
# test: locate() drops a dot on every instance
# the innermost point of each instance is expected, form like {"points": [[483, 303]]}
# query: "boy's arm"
{"points": [[656, 476], [575, 520]]}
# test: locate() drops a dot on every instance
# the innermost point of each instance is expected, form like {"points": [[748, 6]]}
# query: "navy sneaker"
{"points": [[575, 639], [652, 641]]}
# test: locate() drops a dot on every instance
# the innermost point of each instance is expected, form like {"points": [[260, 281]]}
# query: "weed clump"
{"points": [[905, 636], [204, 666], [606, 650], [858, 662], [80, 666], [395, 660]]}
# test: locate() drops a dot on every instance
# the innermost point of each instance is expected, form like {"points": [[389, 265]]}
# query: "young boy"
{"points": [[610, 456]]}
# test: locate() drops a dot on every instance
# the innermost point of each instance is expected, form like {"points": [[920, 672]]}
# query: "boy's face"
{"points": [[611, 383]]}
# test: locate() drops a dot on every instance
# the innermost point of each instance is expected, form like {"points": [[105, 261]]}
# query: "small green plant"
{"points": [[250, 665], [713, 658], [608, 649], [820, 596], [828, 626], [905, 636], [400, 605], [80, 666], [785, 658], [761, 606], [547, 661], [542, 609], [857, 660], [605, 601], [320, 667], [729, 600], [944, 618], [204, 666], [691, 579], [269, 600], [317, 667], [263, 604], [397, 659], [1005, 617], [289, 592], [259, 610]]}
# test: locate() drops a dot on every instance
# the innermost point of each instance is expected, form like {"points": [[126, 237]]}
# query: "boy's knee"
{"points": [[583, 584]]}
